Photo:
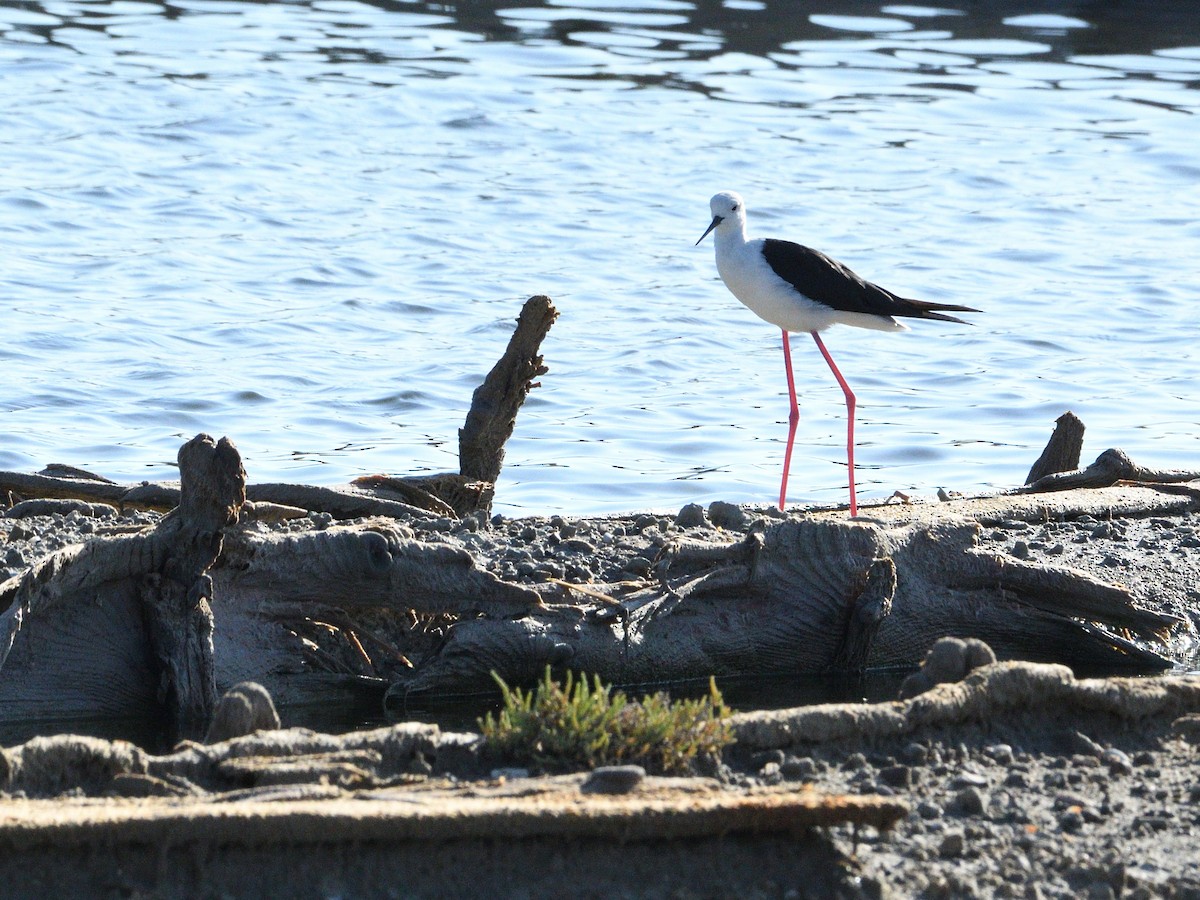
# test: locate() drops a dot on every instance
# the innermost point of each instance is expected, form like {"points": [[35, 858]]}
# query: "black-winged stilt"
{"points": [[800, 289]]}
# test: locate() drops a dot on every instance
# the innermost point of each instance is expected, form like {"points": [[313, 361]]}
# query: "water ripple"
{"points": [[311, 225]]}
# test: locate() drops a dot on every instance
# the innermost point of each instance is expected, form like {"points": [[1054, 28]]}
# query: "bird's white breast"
{"points": [[751, 279]]}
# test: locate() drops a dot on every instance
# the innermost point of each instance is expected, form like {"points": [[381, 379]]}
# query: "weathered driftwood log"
{"points": [[121, 625], [1111, 466], [126, 622], [1062, 451], [808, 596], [489, 425]]}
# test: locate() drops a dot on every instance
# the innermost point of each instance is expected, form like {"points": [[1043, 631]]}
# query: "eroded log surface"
{"points": [[809, 595], [125, 624]]}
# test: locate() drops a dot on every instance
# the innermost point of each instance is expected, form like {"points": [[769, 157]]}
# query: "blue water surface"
{"points": [[310, 226]]}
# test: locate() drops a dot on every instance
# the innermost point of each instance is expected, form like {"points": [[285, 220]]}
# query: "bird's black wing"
{"points": [[824, 279]]}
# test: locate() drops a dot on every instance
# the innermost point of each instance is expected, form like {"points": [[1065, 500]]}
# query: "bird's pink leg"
{"points": [[849, 418], [793, 417]]}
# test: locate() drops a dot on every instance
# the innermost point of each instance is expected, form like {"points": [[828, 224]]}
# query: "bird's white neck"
{"points": [[730, 237]]}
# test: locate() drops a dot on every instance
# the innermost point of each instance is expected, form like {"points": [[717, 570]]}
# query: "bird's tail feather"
{"points": [[923, 309]]}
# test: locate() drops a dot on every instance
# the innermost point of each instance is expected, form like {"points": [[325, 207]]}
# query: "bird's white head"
{"points": [[728, 211]]}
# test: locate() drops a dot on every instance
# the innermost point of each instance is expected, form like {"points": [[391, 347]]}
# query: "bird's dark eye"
{"points": [[734, 207]]}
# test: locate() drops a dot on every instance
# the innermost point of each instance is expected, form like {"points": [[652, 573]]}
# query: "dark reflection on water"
{"points": [[1070, 29]]}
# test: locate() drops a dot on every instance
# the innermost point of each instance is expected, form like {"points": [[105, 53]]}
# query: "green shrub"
{"points": [[577, 724]]}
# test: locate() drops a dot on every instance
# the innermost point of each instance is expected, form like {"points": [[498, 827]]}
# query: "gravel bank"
{"points": [[1065, 803]]}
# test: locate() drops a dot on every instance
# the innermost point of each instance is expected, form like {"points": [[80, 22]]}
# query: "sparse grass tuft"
{"points": [[583, 725]]}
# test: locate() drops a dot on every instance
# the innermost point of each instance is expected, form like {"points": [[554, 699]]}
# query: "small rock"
{"points": [[725, 515], [691, 516], [243, 709], [796, 768], [1118, 761], [896, 776], [914, 685], [978, 654], [1081, 743], [1071, 820], [946, 661], [1020, 550], [758, 760], [968, 779], [614, 780], [929, 810], [1016, 780], [915, 754], [952, 845], [639, 565], [969, 801], [854, 762], [1001, 753]]}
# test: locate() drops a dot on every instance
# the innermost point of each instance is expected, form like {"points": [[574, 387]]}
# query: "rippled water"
{"points": [[310, 226]]}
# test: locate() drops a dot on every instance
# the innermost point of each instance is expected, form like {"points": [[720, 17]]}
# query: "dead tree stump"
{"points": [[495, 403], [1063, 451], [175, 598]]}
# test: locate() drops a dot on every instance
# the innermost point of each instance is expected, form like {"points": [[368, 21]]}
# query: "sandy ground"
{"points": [[1049, 799]]}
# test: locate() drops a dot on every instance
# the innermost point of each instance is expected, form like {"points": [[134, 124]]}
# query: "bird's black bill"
{"points": [[715, 222]]}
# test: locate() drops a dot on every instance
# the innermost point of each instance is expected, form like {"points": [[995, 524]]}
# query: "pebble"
{"points": [[968, 802], [758, 760], [614, 780], [1081, 743], [578, 545], [796, 768], [1071, 820], [952, 845], [927, 809], [1001, 753], [896, 776], [854, 762]]}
